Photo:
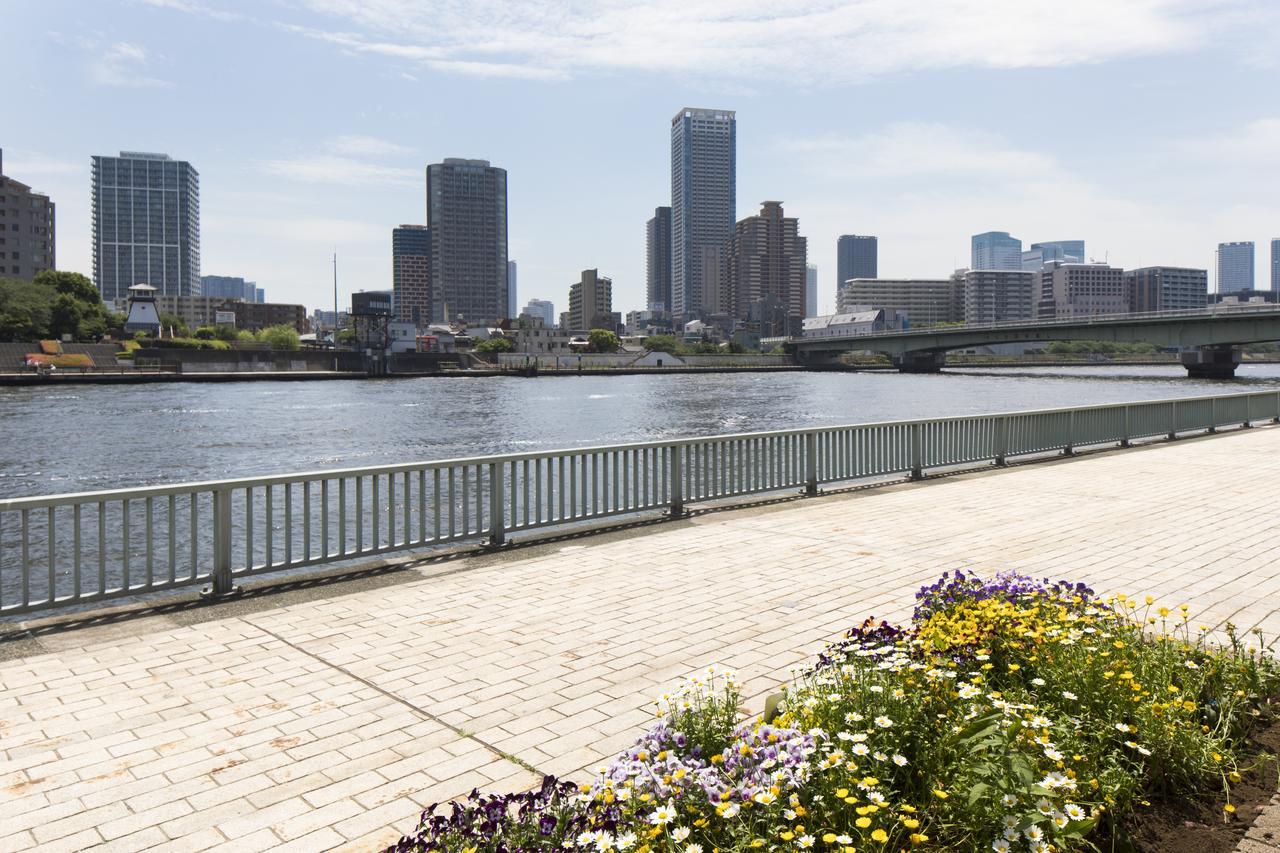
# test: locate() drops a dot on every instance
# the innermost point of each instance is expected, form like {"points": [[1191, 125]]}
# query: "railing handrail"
{"points": [[69, 498]]}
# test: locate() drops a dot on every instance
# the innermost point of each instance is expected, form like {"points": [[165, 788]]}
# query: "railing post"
{"points": [[1173, 420], [1128, 427], [677, 482], [1070, 449], [1213, 415], [1002, 440], [1276, 419], [810, 464], [497, 519], [222, 584], [917, 451]]}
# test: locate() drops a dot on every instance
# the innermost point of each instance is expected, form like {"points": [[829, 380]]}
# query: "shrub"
{"points": [[496, 345], [1009, 715], [281, 337]]}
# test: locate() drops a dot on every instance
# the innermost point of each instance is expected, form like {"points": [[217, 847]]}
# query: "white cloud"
{"points": [[810, 41], [122, 64], [342, 171], [358, 145]]}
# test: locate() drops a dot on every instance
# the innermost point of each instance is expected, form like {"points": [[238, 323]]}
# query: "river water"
{"points": [[85, 438]]}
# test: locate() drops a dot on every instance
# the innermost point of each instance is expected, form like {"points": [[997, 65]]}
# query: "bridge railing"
{"points": [[62, 550]]}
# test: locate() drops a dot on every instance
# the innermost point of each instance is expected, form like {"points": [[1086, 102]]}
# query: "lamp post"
{"points": [[335, 311]]}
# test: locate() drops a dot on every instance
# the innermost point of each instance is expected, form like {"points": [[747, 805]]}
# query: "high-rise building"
{"points": [[512, 299], [411, 273], [591, 302], [27, 233], [1235, 266], [657, 243], [146, 224], [1067, 251], [231, 287], [467, 217], [995, 250], [1166, 288], [926, 302], [703, 201], [1080, 290], [766, 261], [856, 257], [543, 310], [811, 291], [1275, 264], [999, 296]]}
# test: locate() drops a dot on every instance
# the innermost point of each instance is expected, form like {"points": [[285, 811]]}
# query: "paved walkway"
{"points": [[331, 721]]}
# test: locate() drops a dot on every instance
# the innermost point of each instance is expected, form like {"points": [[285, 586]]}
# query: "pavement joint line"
{"points": [[422, 712]]}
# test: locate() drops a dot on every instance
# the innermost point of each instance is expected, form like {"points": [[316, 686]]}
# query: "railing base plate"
{"points": [[208, 594]]}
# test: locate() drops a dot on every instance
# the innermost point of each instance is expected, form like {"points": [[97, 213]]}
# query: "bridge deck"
{"points": [[328, 717]]}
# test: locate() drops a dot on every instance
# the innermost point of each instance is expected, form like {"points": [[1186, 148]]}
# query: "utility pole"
{"points": [[335, 311]]}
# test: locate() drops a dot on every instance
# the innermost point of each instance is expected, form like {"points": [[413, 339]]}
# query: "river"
{"points": [[84, 438]]}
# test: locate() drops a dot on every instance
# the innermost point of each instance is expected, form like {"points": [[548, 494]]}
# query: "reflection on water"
{"points": [[100, 437]]}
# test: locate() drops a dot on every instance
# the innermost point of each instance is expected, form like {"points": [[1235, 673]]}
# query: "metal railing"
{"points": [[61, 550]]}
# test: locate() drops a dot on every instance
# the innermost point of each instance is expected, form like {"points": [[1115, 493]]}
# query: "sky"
{"points": [[1148, 128]]}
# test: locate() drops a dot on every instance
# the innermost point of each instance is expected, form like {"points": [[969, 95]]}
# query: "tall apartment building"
{"points": [[146, 224], [543, 310], [1235, 266], [995, 250], [231, 287], [512, 299], [703, 201], [926, 302], [1000, 296], [811, 291], [467, 218], [1166, 288], [765, 261], [27, 232], [411, 273], [1275, 264], [657, 253], [1080, 290], [856, 257], [591, 302]]}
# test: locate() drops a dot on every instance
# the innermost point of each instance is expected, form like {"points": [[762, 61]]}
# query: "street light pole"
{"points": [[335, 311]]}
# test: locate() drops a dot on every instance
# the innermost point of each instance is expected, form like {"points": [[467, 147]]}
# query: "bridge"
{"points": [[1210, 338]]}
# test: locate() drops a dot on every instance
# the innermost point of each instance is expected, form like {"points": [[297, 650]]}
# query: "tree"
{"points": [[73, 284], [65, 316], [602, 340], [662, 343], [495, 345], [24, 309], [282, 336], [173, 321]]}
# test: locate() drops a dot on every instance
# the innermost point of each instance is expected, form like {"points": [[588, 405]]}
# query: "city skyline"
{"points": [[912, 168]]}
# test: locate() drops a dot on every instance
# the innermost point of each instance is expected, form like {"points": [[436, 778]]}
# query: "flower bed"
{"points": [[1010, 715]]}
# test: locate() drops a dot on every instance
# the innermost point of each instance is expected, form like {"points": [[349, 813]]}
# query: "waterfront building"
{"points": [[1000, 296], [195, 311], [811, 291], [1235, 266], [467, 220], [27, 232], [146, 224], [253, 316], [591, 303], [1080, 290], [925, 302], [1166, 288], [231, 287], [856, 257], [703, 202], [647, 322], [657, 242], [995, 250], [512, 299], [859, 323], [411, 273], [1275, 264], [541, 309], [766, 262]]}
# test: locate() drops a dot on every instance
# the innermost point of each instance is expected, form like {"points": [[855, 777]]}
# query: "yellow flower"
{"points": [[880, 835], [862, 822], [829, 837], [1229, 809], [918, 838], [940, 794]]}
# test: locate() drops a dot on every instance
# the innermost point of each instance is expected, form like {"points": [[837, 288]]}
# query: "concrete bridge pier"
{"points": [[1212, 362], [920, 361]]}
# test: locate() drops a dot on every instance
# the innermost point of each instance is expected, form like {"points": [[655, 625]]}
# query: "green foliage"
{"points": [[348, 337], [72, 284], [704, 348], [206, 333], [185, 343], [663, 343], [495, 345], [602, 340], [53, 304], [282, 337], [173, 321], [1099, 348]]}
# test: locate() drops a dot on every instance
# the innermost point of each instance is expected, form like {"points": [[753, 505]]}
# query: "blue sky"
{"points": [[1149, 128]]}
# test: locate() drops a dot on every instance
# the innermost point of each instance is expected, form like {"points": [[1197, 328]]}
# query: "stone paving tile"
{"points": [[329, 724]]}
